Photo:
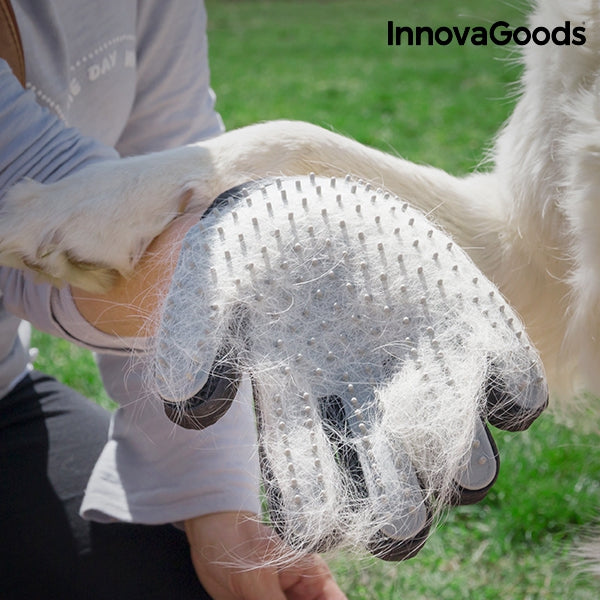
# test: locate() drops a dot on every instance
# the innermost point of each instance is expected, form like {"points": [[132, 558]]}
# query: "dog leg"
{"points": [[96, 223], [547, 162], [581, 205], [86, 228]]}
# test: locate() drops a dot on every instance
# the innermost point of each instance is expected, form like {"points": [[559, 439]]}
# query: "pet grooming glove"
{"points": [[378, 354]]}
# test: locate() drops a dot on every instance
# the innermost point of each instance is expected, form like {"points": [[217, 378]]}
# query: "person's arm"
{"points": [[36, 144]]}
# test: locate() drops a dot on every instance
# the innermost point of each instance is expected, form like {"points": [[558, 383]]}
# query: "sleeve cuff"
{"points": [[76, 329], [152, 472]]}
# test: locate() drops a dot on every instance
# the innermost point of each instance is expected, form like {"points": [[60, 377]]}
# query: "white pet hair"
{"points": [[547, 161], [364, 328]]}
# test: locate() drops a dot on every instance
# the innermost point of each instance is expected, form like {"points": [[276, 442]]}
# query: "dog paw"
{"points": [[93, 225], [37, 234], [377, 349]]}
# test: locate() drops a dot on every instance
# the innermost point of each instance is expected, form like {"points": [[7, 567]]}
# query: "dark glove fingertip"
{"points": [[394, 550], [207, 406], [504, 412], [198, 416]]}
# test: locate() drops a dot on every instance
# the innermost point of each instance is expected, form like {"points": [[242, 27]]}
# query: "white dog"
{"points": [[532, 224]]}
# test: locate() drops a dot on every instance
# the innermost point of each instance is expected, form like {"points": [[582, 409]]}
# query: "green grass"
{"points": [[514, 545], [72, 365], [328, 62]]}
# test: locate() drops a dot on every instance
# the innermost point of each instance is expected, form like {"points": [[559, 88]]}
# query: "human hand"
{"points": [[378, 352], [123, 310], [236, 558]]}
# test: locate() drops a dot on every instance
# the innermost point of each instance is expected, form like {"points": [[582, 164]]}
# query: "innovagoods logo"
{"points": [[500, 34]]}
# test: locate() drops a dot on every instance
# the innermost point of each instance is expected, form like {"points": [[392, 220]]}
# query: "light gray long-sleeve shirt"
{"points": [[104, 79]]}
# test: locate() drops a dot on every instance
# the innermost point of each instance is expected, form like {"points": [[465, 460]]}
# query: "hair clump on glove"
{"points": [[373, 343]]}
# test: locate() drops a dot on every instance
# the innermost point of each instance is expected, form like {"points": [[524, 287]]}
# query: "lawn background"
{"points": [[328, 62]]}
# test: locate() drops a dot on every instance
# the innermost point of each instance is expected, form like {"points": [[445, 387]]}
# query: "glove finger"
{"points": [[219, 383], [333, 478], [516, 393], [378, 477], [210, 403], [479, 475], [302, 483]]}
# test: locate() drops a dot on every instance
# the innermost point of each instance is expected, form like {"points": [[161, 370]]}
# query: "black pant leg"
{"points": [[50, 438]]}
